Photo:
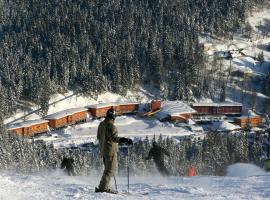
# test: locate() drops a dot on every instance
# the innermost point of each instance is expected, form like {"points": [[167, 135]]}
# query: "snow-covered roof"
{"points": [[217, 104], [225, 126], [174, 108], [196, 128], [65, 113], [26, 124], [104, 105], [127, 103], [101, 105]]}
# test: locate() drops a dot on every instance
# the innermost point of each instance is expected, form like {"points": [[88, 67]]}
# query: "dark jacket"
{"points": [[68, 166], [157, 153]]}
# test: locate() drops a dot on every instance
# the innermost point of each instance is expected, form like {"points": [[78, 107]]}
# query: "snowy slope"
{"points": [[57, 186], [60, 102], [244, 60]]}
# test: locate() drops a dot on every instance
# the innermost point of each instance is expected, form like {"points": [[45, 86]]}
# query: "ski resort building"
{"points": [[244, 121], [67, 117], [100, 110], [127, 108], [175, 111], [225, 108], [29, 128]]}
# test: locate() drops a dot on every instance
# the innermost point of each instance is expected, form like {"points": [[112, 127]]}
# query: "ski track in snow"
{"points": [[56, 185]]}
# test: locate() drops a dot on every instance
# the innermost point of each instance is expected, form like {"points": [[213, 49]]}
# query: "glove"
{"points": [[130, 142], [126, 141]]}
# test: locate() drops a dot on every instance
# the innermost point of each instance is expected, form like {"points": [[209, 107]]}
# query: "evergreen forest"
{"points": [[52, 46], [210, 155], [90, 47]]}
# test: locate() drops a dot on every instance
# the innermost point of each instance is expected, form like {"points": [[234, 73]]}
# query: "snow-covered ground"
{"points": [[128, 126], [242, 181], [251, 183], [250, 47], [245, 51], [60, 102]]}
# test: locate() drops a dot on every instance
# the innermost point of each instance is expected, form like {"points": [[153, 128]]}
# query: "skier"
{"points": [[108, 147], [68, 166], [157, 153]]}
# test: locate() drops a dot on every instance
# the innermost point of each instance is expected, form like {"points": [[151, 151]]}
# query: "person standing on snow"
{"points": [[108, 147], [68, 166], [157, 153]]}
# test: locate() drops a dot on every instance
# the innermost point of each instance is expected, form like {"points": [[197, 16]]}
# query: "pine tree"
{"points": [[260, 57], [267, 85]]}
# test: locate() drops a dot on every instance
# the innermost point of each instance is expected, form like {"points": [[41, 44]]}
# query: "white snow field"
{"points": [[60, 102], [56, 185], [128, 126]]}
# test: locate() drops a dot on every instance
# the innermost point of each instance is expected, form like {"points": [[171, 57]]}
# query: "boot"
{"points": [[105, 190]]}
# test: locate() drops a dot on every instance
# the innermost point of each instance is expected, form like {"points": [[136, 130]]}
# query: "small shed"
{"points": [[29, 128], [175, 111], [253, 121], [67, 117]]}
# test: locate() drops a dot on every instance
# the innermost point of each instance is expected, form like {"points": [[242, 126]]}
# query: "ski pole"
{"points": [[128, 168], [115, 183]]}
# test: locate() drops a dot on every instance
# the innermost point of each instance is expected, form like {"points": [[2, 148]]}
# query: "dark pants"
{"points": [[70, 171], [162, 169], [109, 171]]}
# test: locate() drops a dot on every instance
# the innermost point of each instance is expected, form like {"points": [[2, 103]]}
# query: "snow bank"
{"points": [[244, 170], [224, 126]]}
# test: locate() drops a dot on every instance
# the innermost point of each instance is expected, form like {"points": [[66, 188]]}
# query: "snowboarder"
{"points": [[158, 153], [108, 147], [68, 166]]}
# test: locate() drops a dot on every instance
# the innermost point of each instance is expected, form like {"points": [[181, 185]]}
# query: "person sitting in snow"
{"points": [[157, 153], [68, 166]]}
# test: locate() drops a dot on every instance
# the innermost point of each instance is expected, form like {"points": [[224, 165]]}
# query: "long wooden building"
{"points": [[29, 128], [127, 108], [244, 121], [67, 117], [225, 108], [100, 110]]}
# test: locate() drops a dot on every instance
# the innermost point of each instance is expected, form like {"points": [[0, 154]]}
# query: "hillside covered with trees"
{"points": [[94, 46]]}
